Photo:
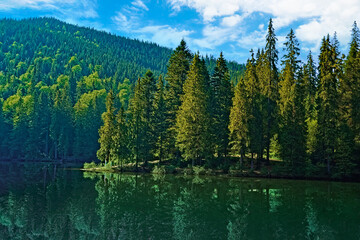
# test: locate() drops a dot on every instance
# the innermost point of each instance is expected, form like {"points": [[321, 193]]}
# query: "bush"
{"points": [[198, 170], [159, 170], [90, 165]]}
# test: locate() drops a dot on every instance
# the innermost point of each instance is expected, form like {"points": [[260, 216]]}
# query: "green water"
{"points": [[44, 202]]}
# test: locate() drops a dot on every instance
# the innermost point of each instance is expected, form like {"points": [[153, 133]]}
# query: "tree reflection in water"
{"points": [[48, 203]]}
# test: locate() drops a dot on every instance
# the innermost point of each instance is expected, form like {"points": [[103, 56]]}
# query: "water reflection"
{"points": [[49, 202]]}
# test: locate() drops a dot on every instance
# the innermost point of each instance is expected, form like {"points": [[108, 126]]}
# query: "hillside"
{"points": [[54, 78], [53, 43]]}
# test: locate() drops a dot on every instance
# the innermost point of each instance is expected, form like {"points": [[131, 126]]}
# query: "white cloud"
{"points": [[140, 4], [317, 17], [163, 34], [232, 21], [130, 20], [64, 8]]}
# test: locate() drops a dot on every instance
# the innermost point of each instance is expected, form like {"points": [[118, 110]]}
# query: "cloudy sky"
{"points": [[210, 26]]}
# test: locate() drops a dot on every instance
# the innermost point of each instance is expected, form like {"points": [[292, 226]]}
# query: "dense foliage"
{"points": [[187, 111], [54, 79]]}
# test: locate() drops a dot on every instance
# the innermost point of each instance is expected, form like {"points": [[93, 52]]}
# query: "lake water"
{"points": [[44, 202]]}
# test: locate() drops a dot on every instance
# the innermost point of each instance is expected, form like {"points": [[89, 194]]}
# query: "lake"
{"points": [[51, 202]]}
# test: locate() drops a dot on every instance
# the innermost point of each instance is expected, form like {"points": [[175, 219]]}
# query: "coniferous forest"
{"points": [[72, 93]]}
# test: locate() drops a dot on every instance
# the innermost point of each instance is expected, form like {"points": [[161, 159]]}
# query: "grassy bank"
{"points": [[232, 168]]}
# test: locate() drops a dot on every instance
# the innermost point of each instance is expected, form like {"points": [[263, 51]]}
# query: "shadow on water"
{"points": [[49, 202]]}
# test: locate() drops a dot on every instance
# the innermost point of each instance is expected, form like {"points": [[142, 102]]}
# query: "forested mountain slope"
{"points": [[54, 78], [54, 42]]}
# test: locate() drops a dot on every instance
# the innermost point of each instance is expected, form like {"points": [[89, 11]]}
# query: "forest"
{"points": [[54, 78], [75, 96]]}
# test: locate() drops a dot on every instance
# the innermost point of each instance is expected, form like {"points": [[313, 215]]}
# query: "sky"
{"points": [[209, 26]]}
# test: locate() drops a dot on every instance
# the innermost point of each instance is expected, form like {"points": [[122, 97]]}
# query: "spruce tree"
{"points": [[120, 138], [262, 77], [142, 121], [291, 111], [107, 130], [255, 100], [349, 90], [239, 131], [309, 85], [176, 75], [221, 101], [271, 88], [328, 102], [193, 118], [160, 119]]}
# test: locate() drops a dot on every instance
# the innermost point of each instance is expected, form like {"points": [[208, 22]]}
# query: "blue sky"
{"points": [[210, 26]]}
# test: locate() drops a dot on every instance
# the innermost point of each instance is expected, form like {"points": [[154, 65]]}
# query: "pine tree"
{"points": [[239, 118], [142, 122], [261, 66], [309, 85], [177, 71], [160, 119], [271, 88], [221, 101], [291, 111], [349, 90], [107, 130], [255, 100], [120, 138], [328, 102], [192, 122]]}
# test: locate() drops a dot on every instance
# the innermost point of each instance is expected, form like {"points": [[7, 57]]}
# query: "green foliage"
{"points": [[198, 170], [142, 118], [160, 125], [291, 110], [69, 92], [220, 104], [106, 130], [192, 120], [91, 165], [158, 170]]}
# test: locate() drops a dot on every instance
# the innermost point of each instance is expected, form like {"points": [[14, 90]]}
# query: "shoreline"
{"points": [[218, 173]]}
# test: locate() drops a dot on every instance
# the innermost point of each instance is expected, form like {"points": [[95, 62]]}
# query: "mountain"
{"points": [[54, 43]]}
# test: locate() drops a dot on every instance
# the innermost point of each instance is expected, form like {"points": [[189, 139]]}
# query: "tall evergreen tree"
{"points": [[239, 129], [328, 102], [291, 111], [142, 105], [160, 119], [193, 119], [255, 100], [177, 70], [107, 130], [221, 101], [120, 137], [310, 83], [271, 88], [349, 90]]}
